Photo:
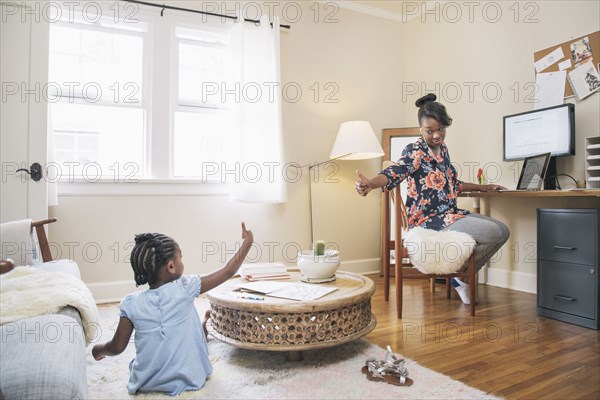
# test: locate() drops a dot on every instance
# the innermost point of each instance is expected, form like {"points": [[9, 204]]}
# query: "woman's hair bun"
{"points": [[428, 98]]}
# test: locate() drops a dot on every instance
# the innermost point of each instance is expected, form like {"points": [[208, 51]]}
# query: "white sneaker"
{"points": [[462, 289]]}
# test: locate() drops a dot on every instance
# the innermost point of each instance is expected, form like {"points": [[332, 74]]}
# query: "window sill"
{"points": [[144, 187]]}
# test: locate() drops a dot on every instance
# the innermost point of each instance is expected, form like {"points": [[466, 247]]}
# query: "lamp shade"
{"points": [[356, 141]]}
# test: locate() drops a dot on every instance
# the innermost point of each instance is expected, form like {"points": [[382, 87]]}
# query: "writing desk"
{"points": [[531, 193]]}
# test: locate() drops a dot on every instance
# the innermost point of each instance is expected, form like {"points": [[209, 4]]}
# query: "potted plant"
{"points": [[319, 264]]}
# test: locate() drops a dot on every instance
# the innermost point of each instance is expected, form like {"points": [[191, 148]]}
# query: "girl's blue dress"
{"points": [[171, 353]]}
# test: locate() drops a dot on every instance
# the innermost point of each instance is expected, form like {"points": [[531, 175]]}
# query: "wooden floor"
{"points": [[505, 350]]}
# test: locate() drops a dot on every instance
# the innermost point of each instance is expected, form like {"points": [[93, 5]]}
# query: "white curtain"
{"points": [[259, 145], [52, 180]]}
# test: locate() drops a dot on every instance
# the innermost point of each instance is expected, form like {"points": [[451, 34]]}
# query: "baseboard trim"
{"points": [[514, 280], [366, 266], [113, 292]]}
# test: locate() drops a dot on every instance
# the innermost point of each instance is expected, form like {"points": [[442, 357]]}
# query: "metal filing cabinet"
{"points": [[568, 265]]}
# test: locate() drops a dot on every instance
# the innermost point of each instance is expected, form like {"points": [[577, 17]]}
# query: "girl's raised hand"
{"points": [[246, 234]]}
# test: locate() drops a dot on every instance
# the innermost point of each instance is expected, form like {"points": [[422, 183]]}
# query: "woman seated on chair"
{"points": [[433, 188]]}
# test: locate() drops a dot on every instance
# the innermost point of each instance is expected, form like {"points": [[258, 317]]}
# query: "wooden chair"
{"points": [[404, 270]]}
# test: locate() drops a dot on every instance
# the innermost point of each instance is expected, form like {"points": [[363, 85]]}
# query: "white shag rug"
{"points": [[333, 373]]}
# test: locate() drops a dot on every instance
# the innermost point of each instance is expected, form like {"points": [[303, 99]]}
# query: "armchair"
{"points": [[43, 352]]}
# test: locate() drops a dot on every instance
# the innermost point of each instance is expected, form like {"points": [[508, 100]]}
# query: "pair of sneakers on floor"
{"points": [[462, 289]]}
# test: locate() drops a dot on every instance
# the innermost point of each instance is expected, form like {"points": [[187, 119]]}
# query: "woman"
{"points": [[433, 188]]}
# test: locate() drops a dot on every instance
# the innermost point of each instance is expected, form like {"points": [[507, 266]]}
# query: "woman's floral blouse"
{"points": [[432, 186]]}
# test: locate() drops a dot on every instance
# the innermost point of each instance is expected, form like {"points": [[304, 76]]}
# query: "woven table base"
{"points": [[290, 329]]}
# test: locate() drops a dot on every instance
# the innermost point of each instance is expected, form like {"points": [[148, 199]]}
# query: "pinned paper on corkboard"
{"points": [[569, 55]]}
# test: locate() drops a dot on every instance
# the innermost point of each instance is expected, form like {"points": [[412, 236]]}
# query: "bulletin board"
{"points": [[594, 39]]}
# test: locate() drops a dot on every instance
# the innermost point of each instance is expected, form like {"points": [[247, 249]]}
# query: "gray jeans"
{"points": [[489, 234]]}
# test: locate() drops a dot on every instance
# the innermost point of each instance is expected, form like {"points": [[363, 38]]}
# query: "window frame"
{"points": [[159, 102]]}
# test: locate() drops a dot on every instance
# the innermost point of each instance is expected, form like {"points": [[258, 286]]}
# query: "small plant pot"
{"points": [[318, 268]]}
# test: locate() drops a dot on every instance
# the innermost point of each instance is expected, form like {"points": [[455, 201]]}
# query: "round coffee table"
{"points": [[293, 326]]}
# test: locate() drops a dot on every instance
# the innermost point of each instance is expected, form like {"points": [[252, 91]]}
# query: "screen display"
{"points": [[548, 130]]}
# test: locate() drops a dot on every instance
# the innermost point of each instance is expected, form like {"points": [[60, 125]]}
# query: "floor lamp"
{"points": [[355, 141]]}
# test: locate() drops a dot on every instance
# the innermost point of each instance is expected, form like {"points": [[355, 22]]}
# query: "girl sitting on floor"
{"points": [[171, 352]]}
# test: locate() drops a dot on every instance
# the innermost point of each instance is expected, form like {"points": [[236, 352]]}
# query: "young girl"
{"points": [[171, 353]]}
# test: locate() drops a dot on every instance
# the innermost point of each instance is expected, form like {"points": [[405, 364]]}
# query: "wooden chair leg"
{"points": [[448, 288], [398, 271], [472, 284], [432, 285], [386, 279], [386, 246]]}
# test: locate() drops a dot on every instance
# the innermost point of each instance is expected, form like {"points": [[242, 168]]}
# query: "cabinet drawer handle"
{"points": [[564, 298], [565, 248]]}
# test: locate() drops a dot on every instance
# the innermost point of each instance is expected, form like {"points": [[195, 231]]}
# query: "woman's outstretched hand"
{"points": [[363, 185]]}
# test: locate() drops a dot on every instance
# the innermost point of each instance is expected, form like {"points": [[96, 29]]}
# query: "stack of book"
{"points": [[263, 271]]}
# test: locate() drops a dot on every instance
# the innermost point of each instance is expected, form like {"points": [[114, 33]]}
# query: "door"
{"points": [[24, 39]]}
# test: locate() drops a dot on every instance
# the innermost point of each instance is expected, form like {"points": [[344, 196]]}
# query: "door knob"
{"points": [[35, 171]]}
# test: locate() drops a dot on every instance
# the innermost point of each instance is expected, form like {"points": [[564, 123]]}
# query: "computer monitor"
{"points": [[547, 130]]}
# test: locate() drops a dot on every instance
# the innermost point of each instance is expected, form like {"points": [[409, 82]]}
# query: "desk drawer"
{"points": [[568, 236], [568, 288]]}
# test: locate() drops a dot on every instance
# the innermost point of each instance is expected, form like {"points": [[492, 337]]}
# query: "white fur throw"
{"points": [[438, 252], [28, 292]]}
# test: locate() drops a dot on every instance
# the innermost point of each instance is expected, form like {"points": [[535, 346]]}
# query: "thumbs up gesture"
{"points": [[363, 185]]}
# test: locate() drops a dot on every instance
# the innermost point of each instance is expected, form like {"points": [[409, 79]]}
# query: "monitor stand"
{"points": [[551, 177]]}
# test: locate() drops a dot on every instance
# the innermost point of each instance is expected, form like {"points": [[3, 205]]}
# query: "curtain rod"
{"points": [[255, 21]]}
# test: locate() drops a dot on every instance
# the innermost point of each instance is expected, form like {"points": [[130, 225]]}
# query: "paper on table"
{"points": [[287, 290], [550, 89], [549, 59], [263, 287], [303, 292]]}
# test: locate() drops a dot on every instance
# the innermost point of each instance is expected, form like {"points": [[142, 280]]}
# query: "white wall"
{"points": [[373, 61], [363, 57], [478, 53]]}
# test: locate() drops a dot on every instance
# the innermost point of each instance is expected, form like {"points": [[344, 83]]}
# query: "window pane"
{"points": [[95, 82], [98, 65], [202, 69], [110, 138], [202, 143]]}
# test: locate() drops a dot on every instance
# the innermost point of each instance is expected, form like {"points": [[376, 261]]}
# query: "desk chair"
{"points": [[404, 270]]}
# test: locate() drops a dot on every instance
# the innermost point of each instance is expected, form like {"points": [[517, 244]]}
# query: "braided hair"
{"points": [[429, 108], [151, 252]]}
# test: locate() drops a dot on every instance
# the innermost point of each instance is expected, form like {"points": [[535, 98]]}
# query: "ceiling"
{"points": [[392, 9], [395, 6]]}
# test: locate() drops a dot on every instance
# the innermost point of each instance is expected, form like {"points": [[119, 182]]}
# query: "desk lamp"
{"points": [[355, 141]]}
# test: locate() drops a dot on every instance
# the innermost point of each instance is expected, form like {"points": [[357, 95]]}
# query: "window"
{"points": [[96, 88], [203, 123], [113, 106]]}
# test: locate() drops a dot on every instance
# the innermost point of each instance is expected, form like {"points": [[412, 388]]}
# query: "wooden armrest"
{"points": [[42, 238], [6, 266], [36, 224]]}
